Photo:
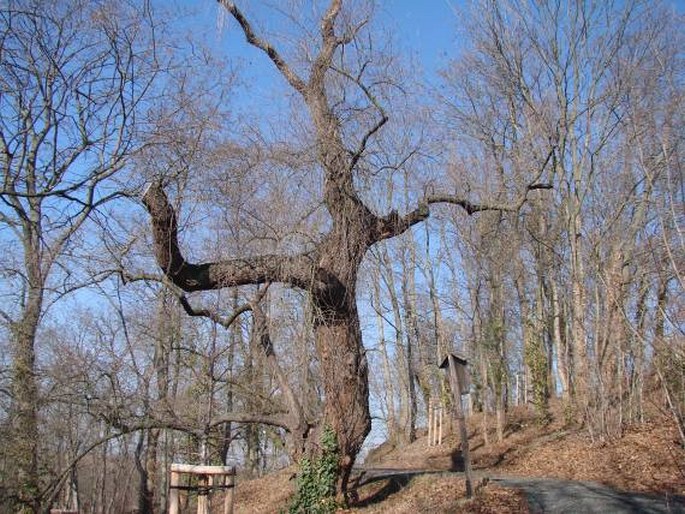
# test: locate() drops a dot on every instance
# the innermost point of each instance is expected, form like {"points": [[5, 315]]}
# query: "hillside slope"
{"points": [[647, 458]]}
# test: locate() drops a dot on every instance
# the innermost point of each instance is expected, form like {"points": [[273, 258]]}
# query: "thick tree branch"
{"points": [[329, 43], [393, 224], [288, 73], [225, 322], [204, 312], [169, 420], [472, 207], [274, 420], [295, 270]]}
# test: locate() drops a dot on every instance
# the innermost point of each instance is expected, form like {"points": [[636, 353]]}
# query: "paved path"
{"points": [[565, 497], [361, 476], [551, 496]]}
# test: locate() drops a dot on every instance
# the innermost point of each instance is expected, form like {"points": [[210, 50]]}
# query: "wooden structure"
{"points": [[209, 479], [460, 383], [435, 411]]}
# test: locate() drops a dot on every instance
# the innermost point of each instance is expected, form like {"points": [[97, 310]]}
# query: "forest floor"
{"points": [[647, 458]]}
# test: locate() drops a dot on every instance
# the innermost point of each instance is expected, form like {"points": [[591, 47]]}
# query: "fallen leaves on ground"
{"points": [[647, 458], [440, 495]]}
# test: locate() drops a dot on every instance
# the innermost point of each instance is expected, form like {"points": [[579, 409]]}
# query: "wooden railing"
{"points": [[209, 479]]}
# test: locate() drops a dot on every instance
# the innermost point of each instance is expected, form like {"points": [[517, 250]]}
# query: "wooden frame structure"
{"points": [[210, 478], [460, 383], [435, 413]]}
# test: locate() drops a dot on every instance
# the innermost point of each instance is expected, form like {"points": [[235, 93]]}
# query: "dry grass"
{"points": [[647, 458], [266, 495]]}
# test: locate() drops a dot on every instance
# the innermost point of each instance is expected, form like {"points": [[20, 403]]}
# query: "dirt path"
{"points": [[566, 497]]}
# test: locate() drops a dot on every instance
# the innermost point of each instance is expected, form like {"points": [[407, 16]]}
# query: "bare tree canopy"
{"points": [[223, 245], [329, 271]]}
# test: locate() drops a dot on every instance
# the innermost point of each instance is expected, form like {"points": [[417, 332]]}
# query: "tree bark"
{"points": [[24, 415], [344, 372], [24, 409]]}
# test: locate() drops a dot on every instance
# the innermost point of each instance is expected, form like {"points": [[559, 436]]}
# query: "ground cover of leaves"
{"points": [[647, 457]]}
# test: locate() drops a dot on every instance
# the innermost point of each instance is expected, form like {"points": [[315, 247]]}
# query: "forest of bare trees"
{"points": [[192, 272]]}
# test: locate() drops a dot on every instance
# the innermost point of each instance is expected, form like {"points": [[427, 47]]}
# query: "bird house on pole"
{"points": [[460, 383], [460, 365]]}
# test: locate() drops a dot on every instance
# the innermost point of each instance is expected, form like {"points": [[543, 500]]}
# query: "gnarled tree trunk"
{"points": [[344, 374]]}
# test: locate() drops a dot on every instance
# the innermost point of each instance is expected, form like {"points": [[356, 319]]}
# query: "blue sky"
{"points": [[427, 30], [424, 30]]}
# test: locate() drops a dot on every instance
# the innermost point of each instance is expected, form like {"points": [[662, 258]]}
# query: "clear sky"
{"points": [[425, 30]]}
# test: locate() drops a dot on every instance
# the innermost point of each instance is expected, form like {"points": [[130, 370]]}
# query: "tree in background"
{"points": [[85, 88], [541, 76], [73, 78]]}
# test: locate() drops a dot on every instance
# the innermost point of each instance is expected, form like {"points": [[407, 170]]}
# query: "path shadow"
{"points": [[561, 496], [394, 484], [457, 461]]}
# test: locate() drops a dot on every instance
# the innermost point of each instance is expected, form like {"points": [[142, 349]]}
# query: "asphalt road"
{"points": [[552, 496], [565, 497]]}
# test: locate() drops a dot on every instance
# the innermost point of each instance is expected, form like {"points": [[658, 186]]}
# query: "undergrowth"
{"points": [[316, 480]]}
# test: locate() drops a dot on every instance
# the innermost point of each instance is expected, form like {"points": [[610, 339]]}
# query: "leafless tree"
{"points": [[73, 76], [545, 84], [336, 67]]}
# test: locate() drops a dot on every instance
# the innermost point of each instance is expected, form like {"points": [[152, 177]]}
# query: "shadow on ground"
{"points": [[394, 480], [394, 484]]}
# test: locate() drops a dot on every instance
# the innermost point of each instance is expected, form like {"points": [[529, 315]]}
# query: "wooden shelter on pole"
{"points": [[460, 383]]}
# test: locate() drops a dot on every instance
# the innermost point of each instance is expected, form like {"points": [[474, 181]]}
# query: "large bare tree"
{"points": [[329, 270]]}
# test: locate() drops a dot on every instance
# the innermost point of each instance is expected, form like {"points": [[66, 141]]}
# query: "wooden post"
{"points": [[228, 493], [173, 492], [213, 480], [440, 425], [436, 414], [210, 477], [459, 383], [202, 495], [435, 425], [430, 422]]}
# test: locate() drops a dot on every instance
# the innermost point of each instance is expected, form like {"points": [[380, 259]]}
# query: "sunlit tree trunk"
{"points": [[388, 393], [403, 351]]}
